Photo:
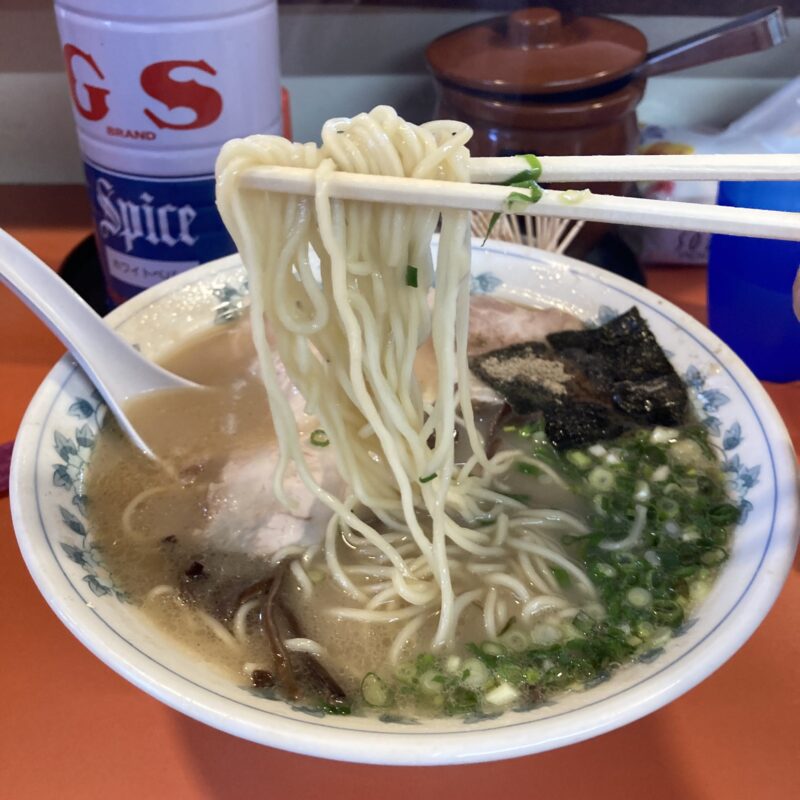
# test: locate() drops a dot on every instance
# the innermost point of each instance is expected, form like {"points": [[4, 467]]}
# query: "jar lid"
{"points": [[535, 51]]}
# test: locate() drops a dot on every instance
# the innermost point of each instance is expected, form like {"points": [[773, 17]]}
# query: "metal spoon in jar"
{"points": [[759, 30], [120, 373]]}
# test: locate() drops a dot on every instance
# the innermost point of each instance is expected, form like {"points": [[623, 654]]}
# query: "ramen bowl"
{"points": [[55, 444]]}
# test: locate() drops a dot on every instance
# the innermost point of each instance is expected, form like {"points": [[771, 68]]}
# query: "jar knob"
{"points": [[534, 27]]}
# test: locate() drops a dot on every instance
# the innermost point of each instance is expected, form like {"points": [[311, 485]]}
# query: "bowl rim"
{"points": [[418, 747]]}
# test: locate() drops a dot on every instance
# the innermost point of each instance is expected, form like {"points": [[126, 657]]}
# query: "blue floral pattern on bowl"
{"points": [[74, 450]]}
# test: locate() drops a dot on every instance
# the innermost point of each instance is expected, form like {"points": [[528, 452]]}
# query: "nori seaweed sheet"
{"points": [[620, 378]]}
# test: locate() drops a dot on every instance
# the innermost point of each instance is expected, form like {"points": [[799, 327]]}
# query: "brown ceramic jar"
{"points": [[533, 82]]}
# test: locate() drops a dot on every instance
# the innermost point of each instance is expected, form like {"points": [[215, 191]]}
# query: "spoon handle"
{"points": [[116, 368], [760, 30]]}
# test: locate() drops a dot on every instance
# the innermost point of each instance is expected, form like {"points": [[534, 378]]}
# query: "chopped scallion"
{"points": [[411, 276], [535, 166], [639, 597], [526, 179], [431, 682], [579, 459], [492, 649], [502, 695], [319, 438], [528, 469], [475, 674], [572, 197], [601, 479], [561, 576], [374, 691]]}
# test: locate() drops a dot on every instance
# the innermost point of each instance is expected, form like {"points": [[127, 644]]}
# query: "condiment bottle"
{"points": [[750, 285], [157, 87]]}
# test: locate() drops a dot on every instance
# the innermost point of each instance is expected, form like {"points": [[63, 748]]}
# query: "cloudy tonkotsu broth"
{"points": [[215, 511], [194, 543]]}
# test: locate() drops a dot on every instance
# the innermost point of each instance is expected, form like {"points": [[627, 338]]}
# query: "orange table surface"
{"points": [[72, 728]]}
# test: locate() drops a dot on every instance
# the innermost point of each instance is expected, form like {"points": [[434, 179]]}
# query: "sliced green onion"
{"points": [[452, 665], [526, 179], [572, 197], [428, 478], [508, 671], [668, 507], [545, 634], [535, 166], [520, 198], [664, 435], [690, 534], [725, 514], [431, 682], [502, 695], [319, 438], [660, 636], [528, 469], [492, 223], [639, 597], [579, 459], [515, 641], [714, 557], [411, 276], [660, 473], [475, 674], [601, 479], [375, 691], [493, 649], [667, 612], [532, 676], [562, 577]]}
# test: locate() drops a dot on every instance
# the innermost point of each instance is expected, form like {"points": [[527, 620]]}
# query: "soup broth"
{"points": [[596, 556]]}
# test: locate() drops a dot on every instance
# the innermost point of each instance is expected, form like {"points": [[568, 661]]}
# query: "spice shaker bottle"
{"points": [[157, 87]]}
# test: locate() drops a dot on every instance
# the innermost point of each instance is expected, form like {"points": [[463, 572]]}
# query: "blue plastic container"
{"points": [[750, 285]]}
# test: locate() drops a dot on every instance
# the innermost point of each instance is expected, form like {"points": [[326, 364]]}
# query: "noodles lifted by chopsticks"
{"points": [[348, 338]]}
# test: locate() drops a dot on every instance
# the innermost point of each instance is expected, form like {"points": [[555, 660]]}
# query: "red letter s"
{"points": [[98, 107], [203, 100]]}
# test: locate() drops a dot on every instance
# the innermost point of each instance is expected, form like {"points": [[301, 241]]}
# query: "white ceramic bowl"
{"points": [[55, 441]]}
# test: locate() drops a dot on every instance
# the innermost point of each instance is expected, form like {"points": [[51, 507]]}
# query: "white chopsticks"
{"points": [[581, 170], [569, 205]]}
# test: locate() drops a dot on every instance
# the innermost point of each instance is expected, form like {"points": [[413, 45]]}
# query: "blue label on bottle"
{"points": [[149, 229]]}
